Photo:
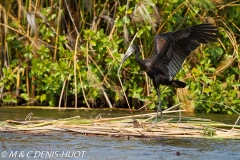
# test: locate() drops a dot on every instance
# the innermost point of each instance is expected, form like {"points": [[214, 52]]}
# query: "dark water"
{"points": [[75, 146], [20, 113], [62, 145]]}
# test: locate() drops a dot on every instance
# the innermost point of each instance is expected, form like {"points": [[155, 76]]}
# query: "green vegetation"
{"points": [[208, 131], [67, 53]]}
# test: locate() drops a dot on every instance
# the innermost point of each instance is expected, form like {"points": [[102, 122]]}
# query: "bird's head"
{"points": [[133, 48]]}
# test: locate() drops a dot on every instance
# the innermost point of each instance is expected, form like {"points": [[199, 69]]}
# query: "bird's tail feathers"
{"points": [[178, 84]]}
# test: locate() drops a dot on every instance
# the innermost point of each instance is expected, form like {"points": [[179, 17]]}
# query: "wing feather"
{"points": [[159, 41], [176, 46]]}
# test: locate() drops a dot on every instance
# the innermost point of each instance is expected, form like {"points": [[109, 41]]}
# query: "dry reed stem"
{"points": [[187, 104], [118, 73], [134, 116]]}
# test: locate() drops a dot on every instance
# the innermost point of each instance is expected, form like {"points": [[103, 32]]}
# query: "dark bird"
{"points": [[170, 51]]}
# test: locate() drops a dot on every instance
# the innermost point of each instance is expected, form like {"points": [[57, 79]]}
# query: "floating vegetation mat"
{"points": [[140, 127]]}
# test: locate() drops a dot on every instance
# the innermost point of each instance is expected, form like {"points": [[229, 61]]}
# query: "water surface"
{"points": [[63, 145], [108, 148]]}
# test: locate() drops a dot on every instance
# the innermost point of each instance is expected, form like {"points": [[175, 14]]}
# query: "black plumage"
{"points": [[170, 51]]}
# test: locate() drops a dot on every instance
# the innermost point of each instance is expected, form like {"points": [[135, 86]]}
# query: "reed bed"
{"points": [[129, 126]]}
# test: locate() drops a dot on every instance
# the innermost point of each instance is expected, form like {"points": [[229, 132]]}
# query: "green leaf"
{"points": [[229, 112], [121, 9], [211, 69], [43, 97], [24, 96], [1, 83], [207, 90]]}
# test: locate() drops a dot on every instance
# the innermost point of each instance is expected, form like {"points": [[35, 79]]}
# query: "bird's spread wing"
{"points": [[175, 47]]}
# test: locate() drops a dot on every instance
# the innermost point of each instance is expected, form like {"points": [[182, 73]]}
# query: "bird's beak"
{"points": [[127, 54]]}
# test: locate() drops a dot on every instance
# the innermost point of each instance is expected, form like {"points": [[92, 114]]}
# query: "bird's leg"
{"points": [[159, 107]]}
